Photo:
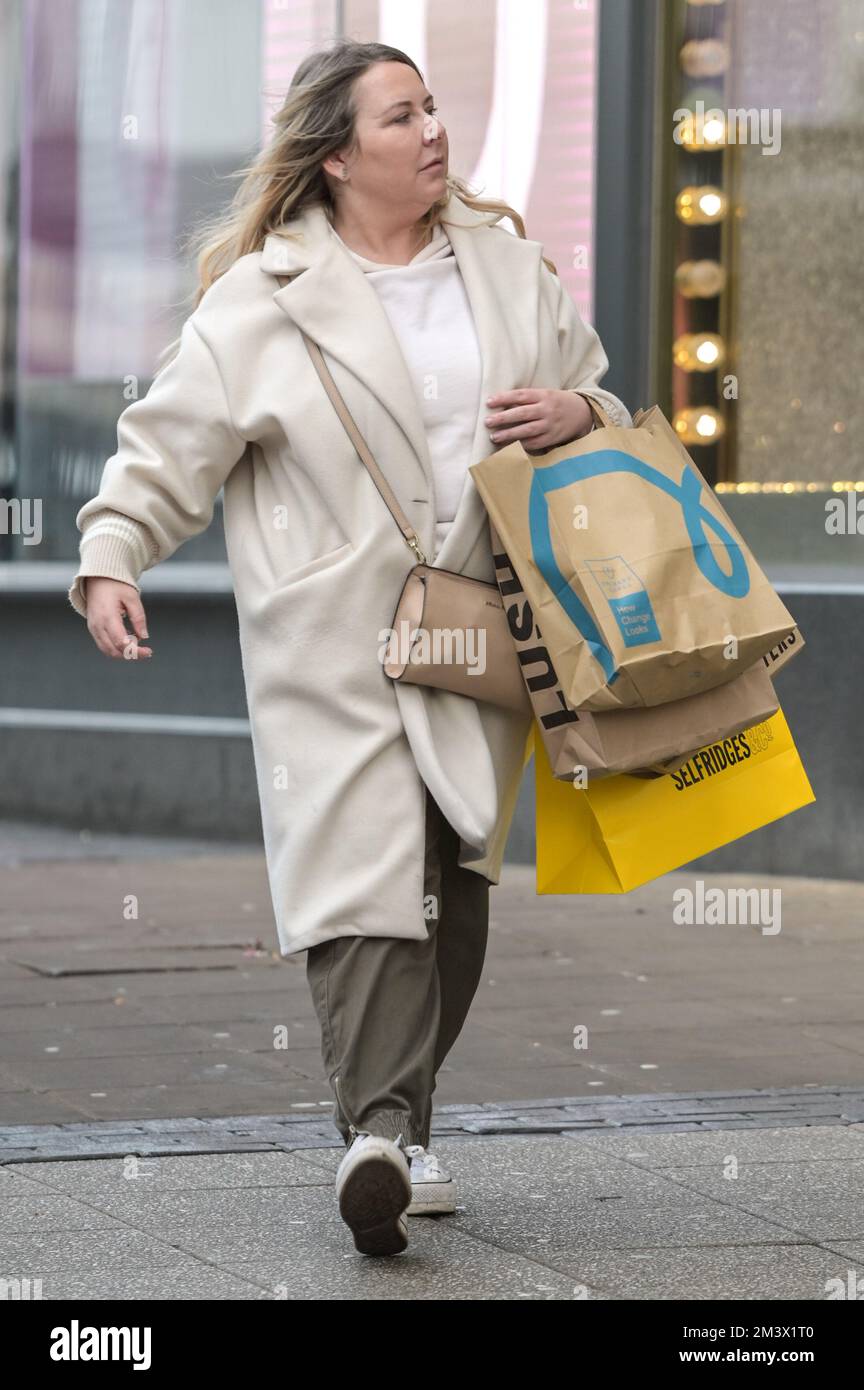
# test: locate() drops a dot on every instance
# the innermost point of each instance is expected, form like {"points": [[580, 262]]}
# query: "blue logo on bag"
{"points": [[696, 518], [628, 599]]}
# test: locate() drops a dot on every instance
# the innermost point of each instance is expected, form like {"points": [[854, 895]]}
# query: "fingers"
{"points": [[533, 430], [529, 411], [522, 395], [135, 610], [108, 630]]}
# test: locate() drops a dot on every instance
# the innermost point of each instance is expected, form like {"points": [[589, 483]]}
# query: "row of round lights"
{"points": [[842, 485], [701, 205], [706, 205]]}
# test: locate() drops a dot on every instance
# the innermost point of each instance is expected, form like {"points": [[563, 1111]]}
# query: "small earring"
{"points": [[343, 174]]}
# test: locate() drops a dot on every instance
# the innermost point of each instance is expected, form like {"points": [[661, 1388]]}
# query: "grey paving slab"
{"points": [[821, 1200], [170, 1173], [141, 1038], [189, 1282], [761, 1273], [22, 842], [609, 1181], [194, 1069], [556, 1228], [707, 1149], [851, 1250], [18, 1019], [118, 1247], [664, 1045], [54, 960], [441, 1262], [313, 1257], [44, 1210], [18, 1179]]}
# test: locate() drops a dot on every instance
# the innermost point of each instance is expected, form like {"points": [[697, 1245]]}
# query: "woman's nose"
{"points": [[432, 128]]}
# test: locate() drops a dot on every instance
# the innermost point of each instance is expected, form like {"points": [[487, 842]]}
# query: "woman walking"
{"points": [[385, 806]]}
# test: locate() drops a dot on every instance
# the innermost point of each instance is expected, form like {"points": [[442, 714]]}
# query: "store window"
{"points": [[765, 286], [131, 115]]}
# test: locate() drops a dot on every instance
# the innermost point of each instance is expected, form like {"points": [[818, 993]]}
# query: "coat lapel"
{"points": [[334, 303]]}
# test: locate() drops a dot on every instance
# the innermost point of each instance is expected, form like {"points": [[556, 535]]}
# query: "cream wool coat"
{"points": [[341, 751]]}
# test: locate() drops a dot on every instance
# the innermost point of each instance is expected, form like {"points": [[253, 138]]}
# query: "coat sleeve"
{"points": [[175, 448], [583, 360]]}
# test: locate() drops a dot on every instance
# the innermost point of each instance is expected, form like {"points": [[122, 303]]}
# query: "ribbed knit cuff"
{"points": [[113, 546], [615, 414]]}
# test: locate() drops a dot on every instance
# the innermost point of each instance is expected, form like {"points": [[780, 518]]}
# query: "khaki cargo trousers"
{"points": [[391, 1009]]}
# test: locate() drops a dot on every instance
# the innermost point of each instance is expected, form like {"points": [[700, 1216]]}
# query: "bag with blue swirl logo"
{"points": [[643, 588]]}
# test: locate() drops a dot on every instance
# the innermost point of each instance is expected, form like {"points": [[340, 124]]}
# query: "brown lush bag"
{"points": [[644, 589], [647, 740]]}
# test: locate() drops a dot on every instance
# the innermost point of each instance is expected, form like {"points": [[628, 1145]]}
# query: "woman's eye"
{"points": [[400, 120]]}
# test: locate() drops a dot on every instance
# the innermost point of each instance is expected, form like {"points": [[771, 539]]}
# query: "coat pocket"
{"points": [[321, 562]]}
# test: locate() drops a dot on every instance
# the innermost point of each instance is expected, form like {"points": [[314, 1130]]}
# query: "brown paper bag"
{"points": [[654, 739], [772, 661], [642, 586]]}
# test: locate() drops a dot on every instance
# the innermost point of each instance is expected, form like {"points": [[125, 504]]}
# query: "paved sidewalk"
{"points": [[176, 1049], [607, 1217]]}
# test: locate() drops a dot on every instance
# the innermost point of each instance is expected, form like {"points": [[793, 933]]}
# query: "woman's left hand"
{"points": [[540, 417]]}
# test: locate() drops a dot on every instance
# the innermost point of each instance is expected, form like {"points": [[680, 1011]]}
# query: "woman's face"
{"points": [[397, 134]]}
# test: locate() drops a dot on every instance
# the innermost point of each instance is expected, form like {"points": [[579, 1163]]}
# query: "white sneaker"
{"points": [[373, 1188], [433, 1189]]}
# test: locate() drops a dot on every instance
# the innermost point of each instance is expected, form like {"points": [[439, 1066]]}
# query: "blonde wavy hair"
{"points": [[317, 117]]}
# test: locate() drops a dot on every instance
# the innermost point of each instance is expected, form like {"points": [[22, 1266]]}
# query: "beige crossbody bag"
{"points": [[442, 605]]}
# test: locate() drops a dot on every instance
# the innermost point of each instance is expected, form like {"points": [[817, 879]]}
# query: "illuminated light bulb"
{"points": [[707, 131], [704, 57], [708, 351], [698, 352], [698, 424], [700, 279], [701, 205]]}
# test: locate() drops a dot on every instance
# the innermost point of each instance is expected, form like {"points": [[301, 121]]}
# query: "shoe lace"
{"points": [[429, 1160]]}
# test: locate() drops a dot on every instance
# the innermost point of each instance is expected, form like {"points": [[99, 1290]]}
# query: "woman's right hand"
{"points": [[107, 601]]}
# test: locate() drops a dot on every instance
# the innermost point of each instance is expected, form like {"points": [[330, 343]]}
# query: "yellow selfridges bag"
{"points": [[619, 832]]}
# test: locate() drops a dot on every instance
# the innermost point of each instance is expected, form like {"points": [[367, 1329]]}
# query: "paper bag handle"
{"points": [[597, 410]]}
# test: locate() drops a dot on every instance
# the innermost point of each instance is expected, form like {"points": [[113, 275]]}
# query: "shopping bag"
{"points": [[615, 834], [648, 737], [643, 588]]}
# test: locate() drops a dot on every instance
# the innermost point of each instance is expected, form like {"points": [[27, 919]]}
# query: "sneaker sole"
{"points": [[439, 1201], [372, 1203]]}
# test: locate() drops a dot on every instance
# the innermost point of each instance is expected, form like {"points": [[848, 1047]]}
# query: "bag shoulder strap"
{"points": [[358, 441]]}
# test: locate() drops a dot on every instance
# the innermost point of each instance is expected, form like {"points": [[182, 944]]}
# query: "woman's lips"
{"points": [[436, 164]]}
